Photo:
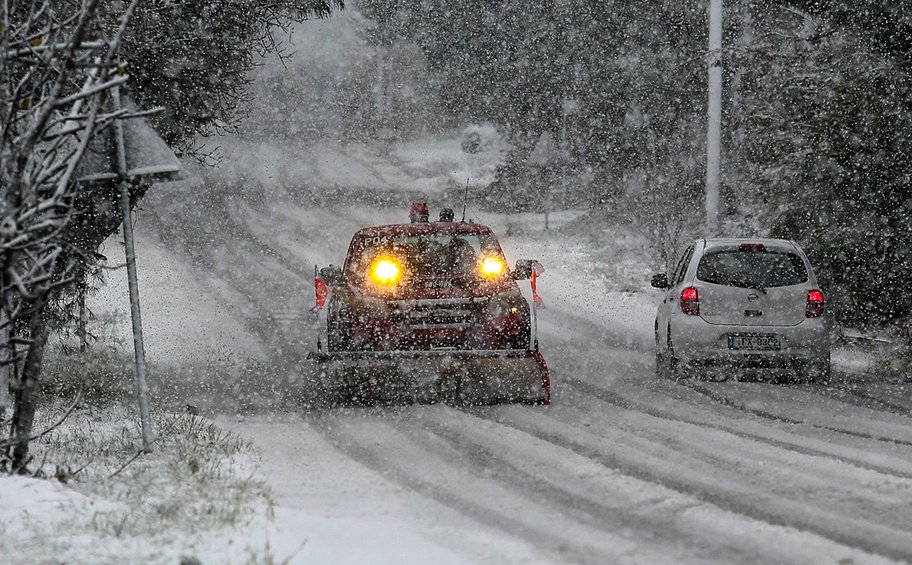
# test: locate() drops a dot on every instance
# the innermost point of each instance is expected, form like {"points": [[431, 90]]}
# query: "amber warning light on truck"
{"points": [[492, 267], [385, 271]]}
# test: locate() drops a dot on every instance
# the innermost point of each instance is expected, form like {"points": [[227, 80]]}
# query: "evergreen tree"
{"points": [[830, 158]]}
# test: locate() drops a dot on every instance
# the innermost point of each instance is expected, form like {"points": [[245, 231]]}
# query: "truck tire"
{"points": [[338, 335]]}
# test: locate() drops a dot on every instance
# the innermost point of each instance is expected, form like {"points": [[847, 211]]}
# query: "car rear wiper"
{"points": [[742, 284], [756, 287]]}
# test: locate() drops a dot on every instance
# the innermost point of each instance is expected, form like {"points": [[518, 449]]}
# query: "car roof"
{"points": [[419, 228], [731, 242]]}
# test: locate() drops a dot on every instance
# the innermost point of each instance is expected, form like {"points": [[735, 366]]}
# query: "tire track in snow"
{"points": [[733, 403], [484, 499], [764, 467], [633, 458], [478, 455], [621, 401], [254, 280], [239, 263], [847, 394], [568, 363], [614, 500]]}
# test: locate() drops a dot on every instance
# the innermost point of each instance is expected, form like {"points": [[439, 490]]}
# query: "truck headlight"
{"points": [[385, 271], [492, 267]]}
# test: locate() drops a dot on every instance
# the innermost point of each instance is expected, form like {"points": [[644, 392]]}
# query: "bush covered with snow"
{"points": [[103, 501]]}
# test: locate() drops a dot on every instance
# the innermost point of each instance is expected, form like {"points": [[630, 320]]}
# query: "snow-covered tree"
{"points": [[826, 141], [194, 57], [57, 64]]}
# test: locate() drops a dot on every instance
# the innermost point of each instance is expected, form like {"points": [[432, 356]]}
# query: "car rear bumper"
{"points": [[698, 343]]}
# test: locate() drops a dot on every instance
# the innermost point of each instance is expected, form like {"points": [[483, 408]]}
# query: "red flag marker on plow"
{"points": [[321, 290], [537, 302], [537, 270]]}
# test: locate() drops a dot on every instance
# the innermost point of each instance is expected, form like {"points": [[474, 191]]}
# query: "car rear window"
{"points": [[752, 269]]}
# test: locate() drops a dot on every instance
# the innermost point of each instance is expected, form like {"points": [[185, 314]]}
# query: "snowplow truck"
{"points": [[429, 312]]}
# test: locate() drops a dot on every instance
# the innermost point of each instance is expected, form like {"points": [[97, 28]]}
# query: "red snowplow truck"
{"points": [[429, 312]]}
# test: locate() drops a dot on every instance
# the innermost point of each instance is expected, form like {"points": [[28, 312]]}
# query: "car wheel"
{"points": [[673, 368], [814, 372], [661, 369], [821, 373], [661, 366]]}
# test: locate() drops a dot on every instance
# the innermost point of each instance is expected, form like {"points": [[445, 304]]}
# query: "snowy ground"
{"points": [[622, 467]]}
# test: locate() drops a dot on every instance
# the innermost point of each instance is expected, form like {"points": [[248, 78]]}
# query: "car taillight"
{"points": [[814, 304], [690, 301], [752, 247]]}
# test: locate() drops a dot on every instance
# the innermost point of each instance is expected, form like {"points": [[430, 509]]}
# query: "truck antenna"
{"points": [[465, 199]]}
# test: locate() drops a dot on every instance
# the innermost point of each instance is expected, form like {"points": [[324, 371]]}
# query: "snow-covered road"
{"points": [[622, 467]]}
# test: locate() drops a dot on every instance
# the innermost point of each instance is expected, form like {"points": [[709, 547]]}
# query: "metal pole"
{"points": [[714, 129], [83, 320], [142, 389], [563, 152], [6, 354]]}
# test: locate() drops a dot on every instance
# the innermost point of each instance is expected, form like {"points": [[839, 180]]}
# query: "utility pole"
{"points": [[142, 388], [7, 372], [714, 121], [569, 107]]}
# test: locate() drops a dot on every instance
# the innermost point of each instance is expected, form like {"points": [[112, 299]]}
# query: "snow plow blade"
{"points": [[461, 377]]}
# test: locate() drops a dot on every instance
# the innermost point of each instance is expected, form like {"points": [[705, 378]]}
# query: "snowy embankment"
{"points": [[102, 502]]}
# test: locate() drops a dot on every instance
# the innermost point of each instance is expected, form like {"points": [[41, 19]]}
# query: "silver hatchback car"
{"points": [[737, 304]]}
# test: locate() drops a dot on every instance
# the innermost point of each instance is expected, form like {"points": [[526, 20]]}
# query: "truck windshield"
{"points": [[750, 269], [427, 255]]}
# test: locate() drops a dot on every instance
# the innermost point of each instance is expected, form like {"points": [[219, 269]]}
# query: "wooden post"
{"points": [[142, 388]]}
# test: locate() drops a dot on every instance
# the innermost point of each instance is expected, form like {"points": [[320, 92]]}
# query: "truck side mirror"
{"points": [[523, 269], [660, 281], [332, 275]]}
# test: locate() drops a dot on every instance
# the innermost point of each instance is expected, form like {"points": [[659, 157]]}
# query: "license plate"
{"points": [[435, 283], [755, 342]]}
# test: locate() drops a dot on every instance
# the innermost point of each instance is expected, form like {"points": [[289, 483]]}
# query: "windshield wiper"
{"points": [[743, 284]]}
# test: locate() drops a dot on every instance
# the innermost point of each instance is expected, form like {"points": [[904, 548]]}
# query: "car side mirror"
{"points": [[332, 275], [660, 281], [523, 269]]}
